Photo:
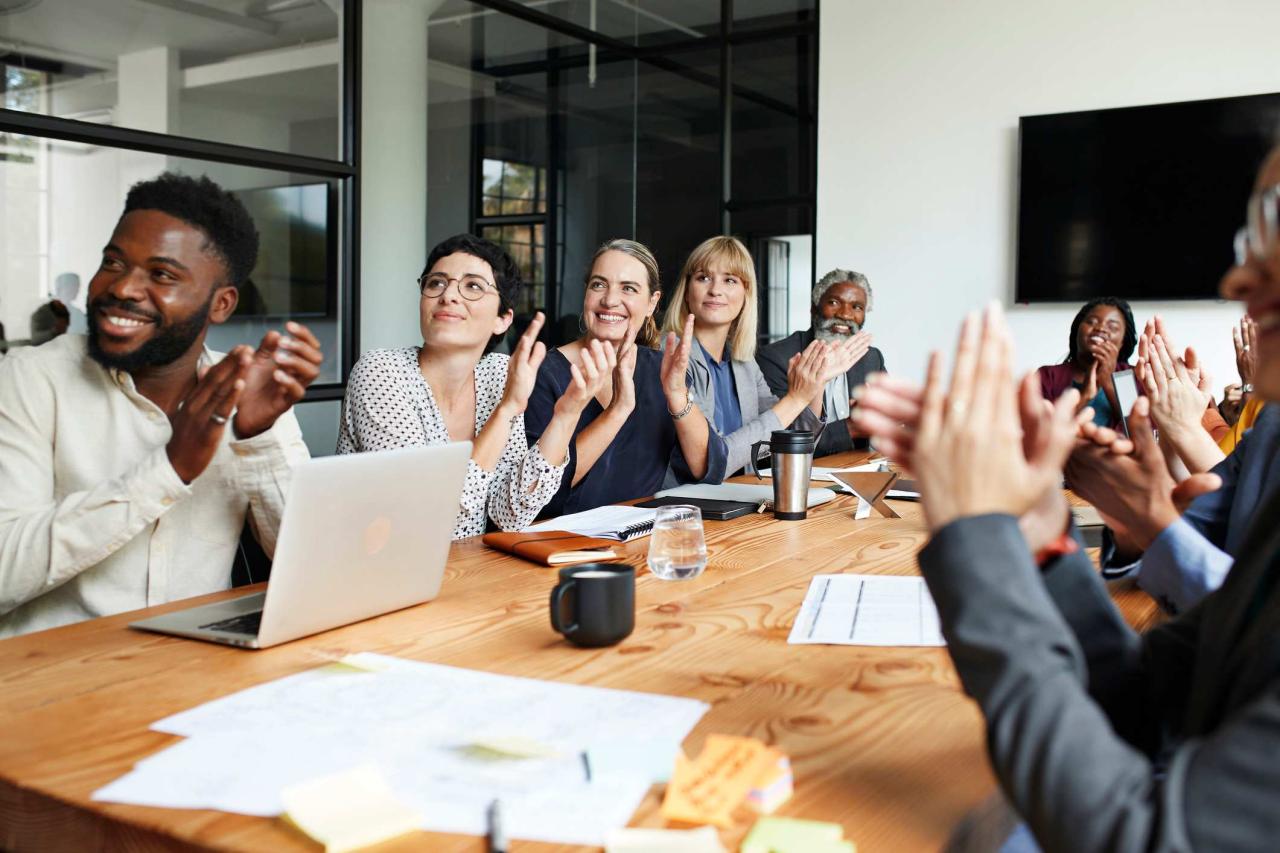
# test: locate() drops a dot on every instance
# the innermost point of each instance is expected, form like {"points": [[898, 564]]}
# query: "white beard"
{"points": [[822, 330]]}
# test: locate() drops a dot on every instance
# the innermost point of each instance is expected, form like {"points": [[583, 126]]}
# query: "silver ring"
{"points": [[1245, 349], [218, 419], [957, 409]]}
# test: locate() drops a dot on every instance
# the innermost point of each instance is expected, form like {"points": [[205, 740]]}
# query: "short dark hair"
{"points": [[1130, 339], [202, 204], [506, 274]]}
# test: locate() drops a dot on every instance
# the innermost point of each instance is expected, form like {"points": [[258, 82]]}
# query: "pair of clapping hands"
{"points": [[250, 388], [598, 363]]}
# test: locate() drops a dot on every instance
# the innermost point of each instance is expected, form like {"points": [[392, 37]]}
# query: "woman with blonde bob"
{"points": [[644, 425], [718, 288]]}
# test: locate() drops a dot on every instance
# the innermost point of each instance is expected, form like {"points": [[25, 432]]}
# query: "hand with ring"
{"points": [[202, 418]]}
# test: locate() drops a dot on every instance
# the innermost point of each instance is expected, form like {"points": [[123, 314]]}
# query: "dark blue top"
{"points": [[635, 463], [1101, 405], [728, 413]]}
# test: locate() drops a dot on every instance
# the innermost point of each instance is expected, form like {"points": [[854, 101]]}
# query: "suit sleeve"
{"points": [[774, 370], [1079, 784]]}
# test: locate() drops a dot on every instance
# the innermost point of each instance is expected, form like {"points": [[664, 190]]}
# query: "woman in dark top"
{"points": [[645, 420], [1102, 339]]}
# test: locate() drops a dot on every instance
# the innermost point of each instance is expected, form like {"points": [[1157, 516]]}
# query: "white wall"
{"points": [[917, 145]]}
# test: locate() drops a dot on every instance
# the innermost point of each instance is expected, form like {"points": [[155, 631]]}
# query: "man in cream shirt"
{"points": [[130, 458]]}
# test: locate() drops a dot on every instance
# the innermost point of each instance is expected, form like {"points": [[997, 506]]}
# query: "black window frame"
{"points": [[345, 171]]}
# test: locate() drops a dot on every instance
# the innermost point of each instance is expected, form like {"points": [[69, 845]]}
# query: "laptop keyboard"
{"points": [[246, 624]]}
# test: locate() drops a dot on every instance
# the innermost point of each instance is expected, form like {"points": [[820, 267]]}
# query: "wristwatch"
{"points": [[688, 407]]}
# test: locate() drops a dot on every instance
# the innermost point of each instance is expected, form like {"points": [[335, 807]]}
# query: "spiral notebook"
{"points": [[621, 523]]}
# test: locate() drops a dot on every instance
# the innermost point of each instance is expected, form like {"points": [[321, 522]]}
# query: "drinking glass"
{"points": [[677, 549]]}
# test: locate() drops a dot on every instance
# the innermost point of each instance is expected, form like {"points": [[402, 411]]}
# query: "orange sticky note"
{"points": [[708, 789]]}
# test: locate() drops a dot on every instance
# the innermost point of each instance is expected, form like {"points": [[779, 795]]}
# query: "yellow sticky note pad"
{"points": [[788, 835], [348, 810], [708, 789]]}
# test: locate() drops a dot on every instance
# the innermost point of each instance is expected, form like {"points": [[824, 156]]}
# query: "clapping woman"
{"points": [[1103, 336], [717, 287], [642, 422], [455, 388]]}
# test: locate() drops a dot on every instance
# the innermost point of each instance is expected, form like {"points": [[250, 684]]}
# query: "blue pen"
{"points": [[497, 835]]}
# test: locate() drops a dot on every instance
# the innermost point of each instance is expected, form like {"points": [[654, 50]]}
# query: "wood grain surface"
{"points": [[882, 740]]}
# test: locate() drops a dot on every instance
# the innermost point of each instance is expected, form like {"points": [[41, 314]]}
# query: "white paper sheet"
{"points": [[413, 722], [867, 610]]}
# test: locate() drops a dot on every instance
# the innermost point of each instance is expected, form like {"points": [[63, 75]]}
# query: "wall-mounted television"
{"points": [[1137, 202], [297, 270]]}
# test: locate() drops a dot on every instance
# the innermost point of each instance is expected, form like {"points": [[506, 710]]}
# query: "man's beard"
{"points": [[823, 330], [165, 346]]}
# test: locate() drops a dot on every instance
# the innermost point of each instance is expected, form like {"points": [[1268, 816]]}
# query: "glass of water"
{"points": [[677, 549]]}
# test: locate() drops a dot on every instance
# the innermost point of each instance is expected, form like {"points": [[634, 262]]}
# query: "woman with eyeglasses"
{"points": [[455, 388], [645, 420], [1103, 336], [718, 288]]}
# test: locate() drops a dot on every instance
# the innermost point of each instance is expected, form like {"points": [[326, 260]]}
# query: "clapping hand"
{"points": [[843, 355], [1245, 338], [807, 370], [202, 417], [675, 364], [1173, 385], [277, 377], [522, 369], [1126, 479], [969, 454], [597, 362], [624, 372]]}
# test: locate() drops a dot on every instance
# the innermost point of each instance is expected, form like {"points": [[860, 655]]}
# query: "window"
{"points": [[255, 98]]}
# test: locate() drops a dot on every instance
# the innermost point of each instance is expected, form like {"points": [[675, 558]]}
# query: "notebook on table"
{"points": [[618, 523]]}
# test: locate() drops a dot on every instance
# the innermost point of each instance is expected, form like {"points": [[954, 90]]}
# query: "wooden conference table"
{"points": [[881, 740]]}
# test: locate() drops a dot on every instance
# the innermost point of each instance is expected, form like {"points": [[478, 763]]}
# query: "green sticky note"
{"points": [[789, 835]]}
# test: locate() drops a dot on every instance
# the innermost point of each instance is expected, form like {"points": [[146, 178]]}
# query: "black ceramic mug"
{"points": [[595, 603]]}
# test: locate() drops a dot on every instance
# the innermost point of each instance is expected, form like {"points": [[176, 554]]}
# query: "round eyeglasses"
{"points": [[1261, 231], [470, 287]]}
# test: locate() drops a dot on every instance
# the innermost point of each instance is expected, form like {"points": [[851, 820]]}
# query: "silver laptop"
{"points": [[362, 535]]}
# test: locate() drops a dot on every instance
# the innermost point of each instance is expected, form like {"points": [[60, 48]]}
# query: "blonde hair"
{"points": [[733, 257], [648, 334]]}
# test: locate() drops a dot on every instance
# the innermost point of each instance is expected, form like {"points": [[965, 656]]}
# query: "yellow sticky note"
{"points": [[704, 839], [348, 810], [788, 835], [515, 746], [708, 789], [359, 662]]}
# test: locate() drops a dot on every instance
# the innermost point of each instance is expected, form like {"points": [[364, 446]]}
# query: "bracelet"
{"points": [[1062, 546], [688, 407]]}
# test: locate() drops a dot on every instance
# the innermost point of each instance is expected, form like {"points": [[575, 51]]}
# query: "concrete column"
{"points": [[147, 99], [393, 204]]}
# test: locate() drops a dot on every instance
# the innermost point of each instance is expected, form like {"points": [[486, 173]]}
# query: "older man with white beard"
{"points": [[841, 300]]}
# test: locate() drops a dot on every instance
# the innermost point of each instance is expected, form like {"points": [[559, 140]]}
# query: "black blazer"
{"points": [[773, 364], [1103, 739]]}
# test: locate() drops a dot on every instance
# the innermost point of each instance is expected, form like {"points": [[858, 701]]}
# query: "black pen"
{"points": [[586, 764], [497, 835]]}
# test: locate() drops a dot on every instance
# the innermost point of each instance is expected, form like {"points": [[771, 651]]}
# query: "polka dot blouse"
{"points": [[389, 405]]}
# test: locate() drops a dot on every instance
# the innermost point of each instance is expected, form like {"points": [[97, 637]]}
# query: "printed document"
{"points": [[867, 610], [417, 725]]}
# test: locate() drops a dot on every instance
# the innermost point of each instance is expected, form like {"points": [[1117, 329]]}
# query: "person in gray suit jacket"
{"points": [[841, 300], [1101, 739], [718, 288]]}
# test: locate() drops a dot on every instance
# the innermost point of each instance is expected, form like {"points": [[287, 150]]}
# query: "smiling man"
{"points": [[130, 458], [841, 300]]}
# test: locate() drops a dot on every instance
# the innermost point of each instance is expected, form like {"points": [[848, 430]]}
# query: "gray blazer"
{"points": [[755, 400], [1103, 739]]}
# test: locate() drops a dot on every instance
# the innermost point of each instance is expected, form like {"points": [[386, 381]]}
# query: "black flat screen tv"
{"points": [[1137, 202]]}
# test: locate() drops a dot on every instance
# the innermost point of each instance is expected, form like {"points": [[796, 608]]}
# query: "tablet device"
{"points": [[715, 510], [1126, 394]]}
